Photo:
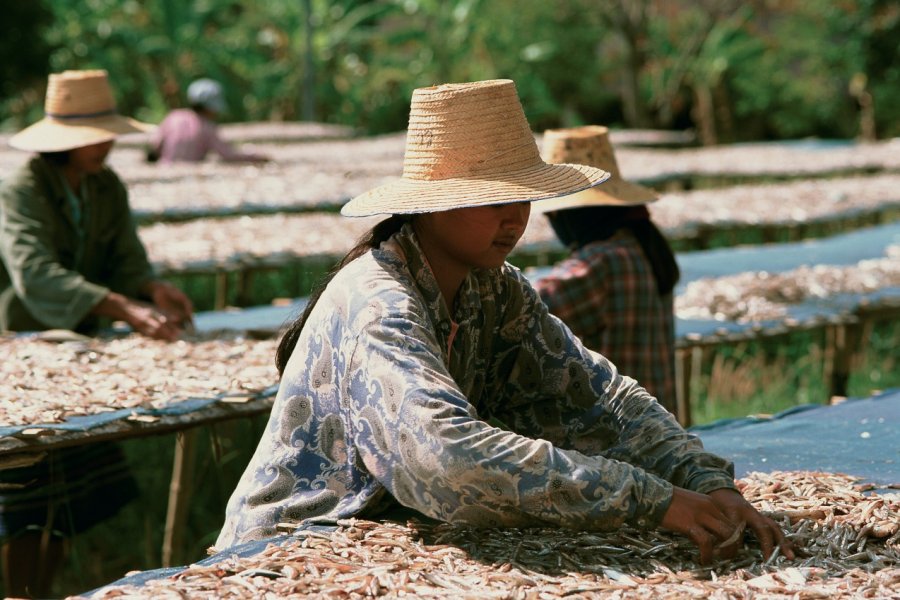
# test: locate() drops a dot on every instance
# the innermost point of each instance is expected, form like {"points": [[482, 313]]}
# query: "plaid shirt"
{"points": [[606, 293]]}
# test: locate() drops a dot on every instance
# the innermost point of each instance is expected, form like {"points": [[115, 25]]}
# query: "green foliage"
{"points": [[737, 70], [24, 51]]}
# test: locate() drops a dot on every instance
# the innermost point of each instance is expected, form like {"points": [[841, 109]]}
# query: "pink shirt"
{"points": [[186, 136]]}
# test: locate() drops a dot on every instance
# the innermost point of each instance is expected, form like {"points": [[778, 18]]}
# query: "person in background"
{"points": [[428, 375], [614, 291], [69, 256], [190, 134]]}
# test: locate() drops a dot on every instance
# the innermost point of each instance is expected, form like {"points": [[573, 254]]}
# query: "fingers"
{"points": [[718, 525], [704, 542], [160, 327], [769, 535]]}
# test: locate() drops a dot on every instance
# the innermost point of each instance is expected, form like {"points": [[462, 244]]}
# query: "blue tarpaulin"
{"points": [[859, 437]]}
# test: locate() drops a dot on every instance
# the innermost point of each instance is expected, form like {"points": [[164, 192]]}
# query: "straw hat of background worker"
{"points": [[467, 145], [79, 110], [590, 145]]}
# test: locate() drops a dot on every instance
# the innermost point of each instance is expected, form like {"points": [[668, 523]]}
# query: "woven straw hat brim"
{"points": [[414, 196], [51, 135], [615, 192]]}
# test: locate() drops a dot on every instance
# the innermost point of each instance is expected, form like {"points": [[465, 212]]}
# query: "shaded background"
{"points": [[733, 70]]}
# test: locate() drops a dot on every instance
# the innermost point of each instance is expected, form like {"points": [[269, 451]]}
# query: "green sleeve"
{"points": [[131, 267], [54, 295]]}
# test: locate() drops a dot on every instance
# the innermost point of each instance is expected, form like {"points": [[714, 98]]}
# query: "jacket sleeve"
{"points": [[128, 257], [56, 296], [575, 397], [418, 434]]}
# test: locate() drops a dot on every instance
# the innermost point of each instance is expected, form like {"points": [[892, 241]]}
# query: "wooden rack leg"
{"points": [[221, 291], [243, 293], [179, 496], [683, 370], [846, 345]]}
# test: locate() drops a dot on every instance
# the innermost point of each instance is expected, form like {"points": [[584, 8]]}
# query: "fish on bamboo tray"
{"points": [[223, 240], [760, 295], [846, 542], [44, 381]]}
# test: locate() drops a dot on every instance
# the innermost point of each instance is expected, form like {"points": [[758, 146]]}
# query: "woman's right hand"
{"points": [[143, 317], [148, 320], [697, 516]]}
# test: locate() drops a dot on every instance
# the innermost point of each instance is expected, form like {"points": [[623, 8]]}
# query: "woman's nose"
{"points": [[517, 214]]}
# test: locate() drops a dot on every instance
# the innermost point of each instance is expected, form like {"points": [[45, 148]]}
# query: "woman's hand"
{"points": [[143, 317], [740, 512], [148, 320], [172, 302], [698, 517]]}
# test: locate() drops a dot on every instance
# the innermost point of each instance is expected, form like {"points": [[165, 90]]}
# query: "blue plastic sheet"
{"points": [[87, 422], [860, 437]]}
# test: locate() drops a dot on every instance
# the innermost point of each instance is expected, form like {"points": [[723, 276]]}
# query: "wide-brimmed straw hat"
{"points": [[79, 110], [469, 144], [590, 145]]}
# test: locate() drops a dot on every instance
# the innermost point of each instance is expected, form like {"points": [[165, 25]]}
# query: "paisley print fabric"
{"points": [[516, 424]]}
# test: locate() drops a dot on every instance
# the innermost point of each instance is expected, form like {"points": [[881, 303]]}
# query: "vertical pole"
{"points": [[847, 339], [683, 371], [220, 300], [309, 76], [179, 496]]}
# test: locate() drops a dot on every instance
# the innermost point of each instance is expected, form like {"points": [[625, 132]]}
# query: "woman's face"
{"points": [[90, 159], [472, 238]]}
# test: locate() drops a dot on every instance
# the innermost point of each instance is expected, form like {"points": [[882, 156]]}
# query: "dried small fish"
{"points": [[368, 559], [43, 382]]}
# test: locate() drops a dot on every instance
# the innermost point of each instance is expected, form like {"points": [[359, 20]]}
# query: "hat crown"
{"points": [[79, 95], [588, 145], [467, 130]]}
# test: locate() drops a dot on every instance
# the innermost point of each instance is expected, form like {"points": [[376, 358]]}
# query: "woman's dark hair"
{"points": [[60, 159], [378, 234], [577, 227]]}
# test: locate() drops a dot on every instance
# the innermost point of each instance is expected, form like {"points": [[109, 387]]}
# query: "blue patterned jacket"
{"points": [[497, 416]]}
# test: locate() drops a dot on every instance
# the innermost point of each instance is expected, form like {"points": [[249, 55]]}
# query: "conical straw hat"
{"points": [[469, 144], [79, 110], [590, 145]]}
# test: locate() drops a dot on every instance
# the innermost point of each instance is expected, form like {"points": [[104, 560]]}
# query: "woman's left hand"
{"points": [[742, 514]]}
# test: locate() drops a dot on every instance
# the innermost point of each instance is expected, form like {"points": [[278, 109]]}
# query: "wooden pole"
{"points": [[179, 496], [309, 75], [683, 371]]}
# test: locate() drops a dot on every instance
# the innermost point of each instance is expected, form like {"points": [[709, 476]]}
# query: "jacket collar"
{"points": [[467, 298]]}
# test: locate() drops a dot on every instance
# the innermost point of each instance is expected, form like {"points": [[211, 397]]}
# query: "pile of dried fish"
{"points": [[221, 240], [759, 295], [264, 237], [382, 157], [759, 159], [847, 545], [44, 382], [784, 202]]}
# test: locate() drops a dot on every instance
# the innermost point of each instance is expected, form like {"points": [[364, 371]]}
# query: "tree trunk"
{"points": [[704, 115]]}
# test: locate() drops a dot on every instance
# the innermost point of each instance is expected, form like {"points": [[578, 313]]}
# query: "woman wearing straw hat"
{"points": [[428, 374], [69, 248], [70, 255], [615, 289]]}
